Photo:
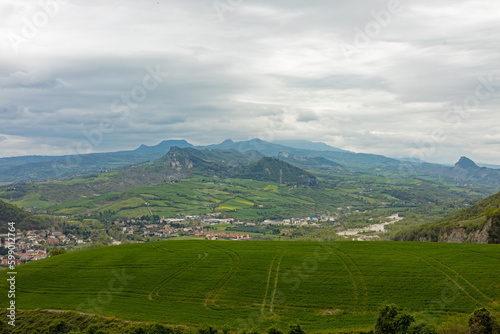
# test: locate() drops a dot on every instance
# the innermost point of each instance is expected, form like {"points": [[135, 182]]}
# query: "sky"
{"points": [[416, 79]]}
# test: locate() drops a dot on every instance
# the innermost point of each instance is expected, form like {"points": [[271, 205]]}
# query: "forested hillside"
{"points": [[479, 223], [23, 219]]}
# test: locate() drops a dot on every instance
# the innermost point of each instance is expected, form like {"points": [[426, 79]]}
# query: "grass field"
{"points": [[252, 285]]}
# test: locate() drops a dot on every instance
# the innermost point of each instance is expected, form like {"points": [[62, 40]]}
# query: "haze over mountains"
{"points": [[303, 154]]}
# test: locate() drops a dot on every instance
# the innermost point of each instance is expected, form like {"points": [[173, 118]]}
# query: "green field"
{"points": [[252, 285]]}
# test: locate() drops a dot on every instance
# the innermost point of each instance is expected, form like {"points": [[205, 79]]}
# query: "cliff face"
{"points": [[461, 235]]}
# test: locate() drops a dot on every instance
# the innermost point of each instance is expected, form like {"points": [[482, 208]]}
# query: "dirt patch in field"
{"points": [[331, 311]]}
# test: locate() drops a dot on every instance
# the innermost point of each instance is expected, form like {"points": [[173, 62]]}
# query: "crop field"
{"points": [[325, 287], [246, 198]]}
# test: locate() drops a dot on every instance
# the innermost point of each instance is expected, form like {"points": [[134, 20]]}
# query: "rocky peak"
{"points": [[466, 163]]}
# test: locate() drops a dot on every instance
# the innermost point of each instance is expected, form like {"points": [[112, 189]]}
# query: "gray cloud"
{"points": [[271, 70]]}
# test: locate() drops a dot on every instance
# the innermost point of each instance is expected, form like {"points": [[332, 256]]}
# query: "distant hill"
{"points": [[479, 223], [466, 169], [488, 165], [309, 161], [162, 147], [308, 145], [23, 219], [39, 168], [256, 144], [176, 164], [304, 154], [232, 163], [226, 157], [275, 170]]}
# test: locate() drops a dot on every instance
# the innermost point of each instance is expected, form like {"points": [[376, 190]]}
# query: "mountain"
{"points": [[488, 165], [161, 148], [275, 170], [235, 164], [38, 168], [23, 219], [479, 223], [177, 164], [319, 163], [356, 161], [228, 157], [16, 161], [308, 145], [466, 169], [463, 172], [305, 154], [466, 164], [256, 144], [273, 149]]}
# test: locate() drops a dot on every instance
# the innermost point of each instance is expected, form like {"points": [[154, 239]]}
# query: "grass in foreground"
{"points": [[325, 287]]}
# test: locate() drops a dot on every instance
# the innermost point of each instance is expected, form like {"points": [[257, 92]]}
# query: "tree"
{"points": [[392, 321], [57, 251], [481, 322]]}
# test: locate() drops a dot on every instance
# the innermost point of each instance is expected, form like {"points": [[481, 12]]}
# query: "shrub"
{"points": [[295, 329], [58, 326], [273, 330], [159, 329], [207, 330], [137, 330], [421, 328]]}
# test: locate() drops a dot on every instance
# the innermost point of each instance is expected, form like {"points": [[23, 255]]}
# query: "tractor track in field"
{"points": [[267, 285], [352, 278], [162, 283], [216, 290], [361, 276], [160, 248], [271, 305], [451, 279], [463, 278]]}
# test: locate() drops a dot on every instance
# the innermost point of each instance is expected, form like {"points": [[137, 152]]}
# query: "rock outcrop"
{"points": [[460, 235]]}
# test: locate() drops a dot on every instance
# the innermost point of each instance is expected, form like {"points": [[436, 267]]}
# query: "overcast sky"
{"points": [[403, 79]]}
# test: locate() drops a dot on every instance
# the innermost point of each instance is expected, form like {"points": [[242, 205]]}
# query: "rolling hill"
{"points": [[23, 219], [244, 185], [275, 170], [326, 287], [479, 223]]}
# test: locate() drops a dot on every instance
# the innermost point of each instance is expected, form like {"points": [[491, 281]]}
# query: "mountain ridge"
{"points": [[39, 168]]}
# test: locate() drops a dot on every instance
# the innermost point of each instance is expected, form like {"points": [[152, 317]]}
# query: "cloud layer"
{"points": [[397, 78]]}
